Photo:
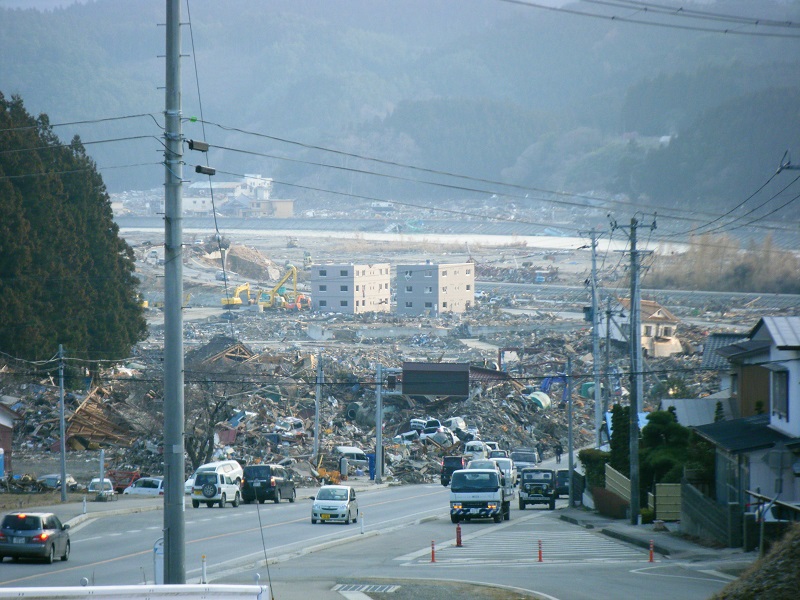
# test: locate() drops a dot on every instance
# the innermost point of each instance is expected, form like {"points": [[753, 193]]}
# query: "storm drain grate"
{"points": [[365, 587]]}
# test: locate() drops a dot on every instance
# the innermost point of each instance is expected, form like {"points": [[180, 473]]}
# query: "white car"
{"points": [[335, 503], [146, 486], [508, 468], [213, 488]]}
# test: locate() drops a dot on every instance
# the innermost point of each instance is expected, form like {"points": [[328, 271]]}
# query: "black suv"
{"points": [[267, 482], [537, 486], [562, 482], [449, 465]]}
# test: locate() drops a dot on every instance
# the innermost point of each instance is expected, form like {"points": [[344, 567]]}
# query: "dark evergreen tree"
{"points": [[65, 274], [663, 450]]}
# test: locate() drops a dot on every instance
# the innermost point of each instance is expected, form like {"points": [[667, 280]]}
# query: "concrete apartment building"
{"points": [[351, 289], [435, 288]]}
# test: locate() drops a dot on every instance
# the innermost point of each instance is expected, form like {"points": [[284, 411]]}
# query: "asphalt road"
{"points": [[399, 525]]}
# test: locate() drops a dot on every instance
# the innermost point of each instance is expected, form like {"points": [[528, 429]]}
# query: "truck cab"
{"points": [[480, 494]]}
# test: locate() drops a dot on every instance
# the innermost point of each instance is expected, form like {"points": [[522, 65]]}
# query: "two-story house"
{"points": [[659, 327], [761, 450]]}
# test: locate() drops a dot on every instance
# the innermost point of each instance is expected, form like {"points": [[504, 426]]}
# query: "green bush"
{"points": [[648, 515], [594, 466]]}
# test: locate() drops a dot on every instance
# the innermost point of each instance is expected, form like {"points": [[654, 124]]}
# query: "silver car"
{"points": [[335, 503], [34, 535]]}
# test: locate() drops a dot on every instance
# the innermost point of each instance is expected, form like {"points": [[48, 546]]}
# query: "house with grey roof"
{"points": [[760, 451]]}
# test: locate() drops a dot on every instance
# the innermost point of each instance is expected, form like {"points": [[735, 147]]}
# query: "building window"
{"points": [[342, 288], [409, 305], [428, 273], [667, 332], [648, 330], [407, 274], [444, 273], [780, 394], [444, 289], [469, 287], [323, 303], [358, 288], [428, 290], [343, 303], [409, 289], [343, 272], [468, 271], [323, 272], [429, 305], [444, 304]]}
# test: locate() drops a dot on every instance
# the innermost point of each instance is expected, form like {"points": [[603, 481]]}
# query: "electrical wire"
{"points": [[606, 17]]}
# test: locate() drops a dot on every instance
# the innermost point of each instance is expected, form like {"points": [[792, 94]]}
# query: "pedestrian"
{"points": [[540, 451], [559, 451]]}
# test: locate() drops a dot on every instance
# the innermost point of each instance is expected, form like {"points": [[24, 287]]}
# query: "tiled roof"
{"points": [[742, 435], [785, 331], [711, 358]]}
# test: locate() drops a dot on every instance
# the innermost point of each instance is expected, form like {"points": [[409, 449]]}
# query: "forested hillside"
{"points": [[537, 98]]}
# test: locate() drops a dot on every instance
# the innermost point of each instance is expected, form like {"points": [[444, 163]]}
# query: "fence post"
{"points": [[458, 535], [651, 550], [540, 550]]}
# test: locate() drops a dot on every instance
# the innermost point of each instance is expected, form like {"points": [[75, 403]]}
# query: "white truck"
{"points": [[480, 494]]}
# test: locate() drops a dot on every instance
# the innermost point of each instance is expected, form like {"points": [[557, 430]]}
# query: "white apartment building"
{"points": [[431, 289], [351, 289]]}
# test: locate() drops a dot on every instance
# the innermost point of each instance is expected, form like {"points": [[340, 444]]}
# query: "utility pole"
{"points": [[636, 362], [607, 398], [595, 340], [636, 367], [571, 460], [174, 525], [317, 400], [62, 424], [379, 426]]}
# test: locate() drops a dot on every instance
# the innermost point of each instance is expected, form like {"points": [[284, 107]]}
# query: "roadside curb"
{"points": [[82, 518], [635, 541]]}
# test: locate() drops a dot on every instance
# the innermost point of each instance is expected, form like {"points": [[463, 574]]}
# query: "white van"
{"points": [[454, 423], [355, 456], [229, 468], [474, 450]]}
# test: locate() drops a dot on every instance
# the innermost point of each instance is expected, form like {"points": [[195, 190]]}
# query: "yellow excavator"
{"points": [[235, 300], [281, 297]]}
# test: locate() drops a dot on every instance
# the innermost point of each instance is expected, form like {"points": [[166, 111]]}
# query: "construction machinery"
{"points": [[282, 297], [235, 300]]}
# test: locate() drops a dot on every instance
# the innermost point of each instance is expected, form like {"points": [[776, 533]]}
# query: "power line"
{"points": [[617, 18]]}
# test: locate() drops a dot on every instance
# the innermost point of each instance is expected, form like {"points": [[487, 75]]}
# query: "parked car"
{"points": [[482, 463], [449, 465], [498, 454], [213, 488], [267, 482], [104, 491], [475, 449], [335, 503], [441, 435], [508, 468], [231, 468], [146, 486], [53, 482], [418, 424], [34, 535], [524, 457], [562, 482]]}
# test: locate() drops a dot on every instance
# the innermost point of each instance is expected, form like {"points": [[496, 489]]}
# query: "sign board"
{"points": [[436, 379]]}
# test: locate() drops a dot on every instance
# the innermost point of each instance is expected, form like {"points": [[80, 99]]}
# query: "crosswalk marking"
{"points": [[522, 546]]}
